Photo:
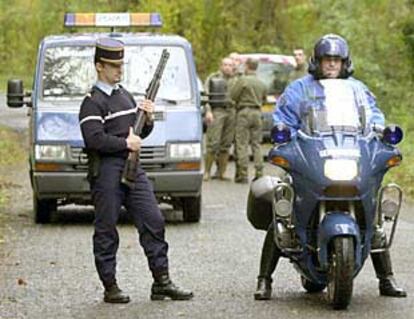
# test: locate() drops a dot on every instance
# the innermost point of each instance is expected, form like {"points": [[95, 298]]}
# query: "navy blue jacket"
{"points": [[105, 121]]}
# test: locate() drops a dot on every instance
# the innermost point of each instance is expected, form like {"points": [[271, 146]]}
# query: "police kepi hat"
{"points": [[109, 51]]}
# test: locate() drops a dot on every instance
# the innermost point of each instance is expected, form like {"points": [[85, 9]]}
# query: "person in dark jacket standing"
{"points": [[106, 117]]}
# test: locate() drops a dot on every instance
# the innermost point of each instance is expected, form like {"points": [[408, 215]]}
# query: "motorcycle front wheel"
{"points": [[341, 272]]}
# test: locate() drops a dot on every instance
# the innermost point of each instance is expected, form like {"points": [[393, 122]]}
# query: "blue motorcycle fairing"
{"points": [[333, 225], [309, 182]]}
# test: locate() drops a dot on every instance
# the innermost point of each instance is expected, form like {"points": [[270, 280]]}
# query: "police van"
{"points": [[65, 73]]}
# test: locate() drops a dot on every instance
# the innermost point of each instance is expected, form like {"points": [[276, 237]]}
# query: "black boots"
{"points": [[388, 287], [163, 287], [113, 294], [387, 284], [264, 289], [268, 262]]}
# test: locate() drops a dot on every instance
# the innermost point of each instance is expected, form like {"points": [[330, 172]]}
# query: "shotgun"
{"points": [[131, 164]]}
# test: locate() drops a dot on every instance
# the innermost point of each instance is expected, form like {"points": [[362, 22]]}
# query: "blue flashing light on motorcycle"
{"points": [[392, 134], [280, 134]]}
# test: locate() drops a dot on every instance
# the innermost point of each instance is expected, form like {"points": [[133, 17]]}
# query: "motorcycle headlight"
{"points": [[340, 169], [184, 151], [50, 152]]}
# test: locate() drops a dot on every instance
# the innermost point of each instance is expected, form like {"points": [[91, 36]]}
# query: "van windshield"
{"points": [[69, 72]]}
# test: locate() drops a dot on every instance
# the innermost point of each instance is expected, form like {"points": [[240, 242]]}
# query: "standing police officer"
{"points": [[220, 116], [249, 94], [106, 118], [331, 60]]}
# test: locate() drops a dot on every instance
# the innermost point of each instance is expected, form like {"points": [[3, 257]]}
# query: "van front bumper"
{"points": [[74, 185]]}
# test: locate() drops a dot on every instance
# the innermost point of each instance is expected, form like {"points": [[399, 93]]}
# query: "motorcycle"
{"points": [[329, 212]]}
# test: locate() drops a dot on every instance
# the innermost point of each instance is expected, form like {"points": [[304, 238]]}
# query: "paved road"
{"points": [[47, 271]]}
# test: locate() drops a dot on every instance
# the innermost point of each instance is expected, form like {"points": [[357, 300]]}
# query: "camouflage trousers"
{"points": [[220, 134], [249, 132]]}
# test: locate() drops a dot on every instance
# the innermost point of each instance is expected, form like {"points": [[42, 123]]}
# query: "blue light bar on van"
{"points": [[113, 20]]}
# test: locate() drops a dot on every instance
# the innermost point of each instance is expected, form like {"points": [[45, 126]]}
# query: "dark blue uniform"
{"points": [[105, 121]]}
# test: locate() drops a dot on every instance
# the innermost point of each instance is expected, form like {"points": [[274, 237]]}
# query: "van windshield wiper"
{"points": [[166, 100], [169, 101]]}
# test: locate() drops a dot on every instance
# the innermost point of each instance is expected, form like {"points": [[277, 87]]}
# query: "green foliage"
{"points": [[380, 34]]}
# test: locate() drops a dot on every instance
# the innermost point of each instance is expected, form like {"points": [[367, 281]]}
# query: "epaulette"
{"points": [[95, 94]]}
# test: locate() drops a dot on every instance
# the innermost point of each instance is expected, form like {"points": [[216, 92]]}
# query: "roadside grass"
{"points": [[12, 151], [27, 81]]}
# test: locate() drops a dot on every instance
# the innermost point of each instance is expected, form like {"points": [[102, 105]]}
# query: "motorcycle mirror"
{"points": [[392, 134], [280, 134]]}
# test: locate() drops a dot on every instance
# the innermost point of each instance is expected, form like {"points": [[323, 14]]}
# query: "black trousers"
{"points": [[108, 195]]}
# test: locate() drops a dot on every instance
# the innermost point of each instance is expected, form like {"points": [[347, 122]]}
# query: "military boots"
{"points": [[387, 283], [113, 294], [223, 160], [163, 287], [208, 162]]}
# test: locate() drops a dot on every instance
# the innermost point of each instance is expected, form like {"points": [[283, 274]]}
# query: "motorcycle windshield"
{"points": [[340, 110]]}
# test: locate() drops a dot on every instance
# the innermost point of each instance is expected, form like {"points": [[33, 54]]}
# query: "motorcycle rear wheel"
{"points": [[341, 272]]}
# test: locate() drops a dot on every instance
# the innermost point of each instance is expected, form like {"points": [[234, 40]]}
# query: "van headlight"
{"points": [[50, 152], [340, 169], [184, 151]]}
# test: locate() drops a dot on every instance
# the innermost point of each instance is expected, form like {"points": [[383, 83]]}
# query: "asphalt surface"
{"points": [[47, 271]]}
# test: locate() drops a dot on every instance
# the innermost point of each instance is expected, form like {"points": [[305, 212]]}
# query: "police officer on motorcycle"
{"points": [[330, 60]]}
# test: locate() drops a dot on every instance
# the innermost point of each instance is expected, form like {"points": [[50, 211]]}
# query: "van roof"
{"points": [[126, 37]]}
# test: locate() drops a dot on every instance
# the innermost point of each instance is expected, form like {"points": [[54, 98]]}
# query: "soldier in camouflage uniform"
{"points": [[301, 68], [248, 93], [220, 118]]}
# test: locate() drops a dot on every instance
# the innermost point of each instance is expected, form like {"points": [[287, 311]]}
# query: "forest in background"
{"points": [[380, 34]]}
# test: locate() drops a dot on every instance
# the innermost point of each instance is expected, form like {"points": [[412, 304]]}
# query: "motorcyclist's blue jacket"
{"points": [[308, 92]]}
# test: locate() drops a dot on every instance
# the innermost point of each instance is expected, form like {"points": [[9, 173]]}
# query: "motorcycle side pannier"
{"points": [[259, 201]]}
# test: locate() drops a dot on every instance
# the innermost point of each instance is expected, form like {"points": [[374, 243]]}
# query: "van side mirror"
{"points": [[15, 93], [203, 98]]}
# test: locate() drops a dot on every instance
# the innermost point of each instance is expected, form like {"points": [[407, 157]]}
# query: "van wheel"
{"points": [[43, 209], [191, 209]]}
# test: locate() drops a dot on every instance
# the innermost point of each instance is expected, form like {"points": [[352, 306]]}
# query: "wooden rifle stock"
{"points": [[131, 165]]}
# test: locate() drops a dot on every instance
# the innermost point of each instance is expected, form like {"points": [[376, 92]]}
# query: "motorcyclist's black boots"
{"points": [[113, 294], [268, 262], [383, 268], [163, 287]]}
